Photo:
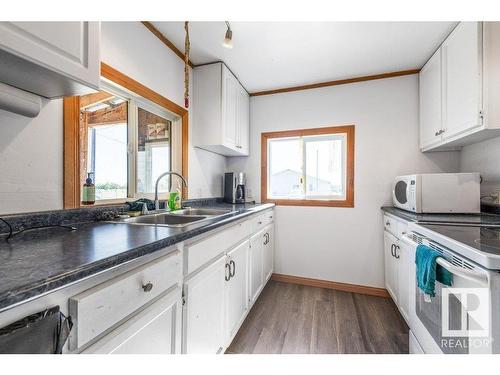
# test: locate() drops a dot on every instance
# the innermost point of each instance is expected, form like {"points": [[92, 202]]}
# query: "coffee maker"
{"points": [[234, 187]]}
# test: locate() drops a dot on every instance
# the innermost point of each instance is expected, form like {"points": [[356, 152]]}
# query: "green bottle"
{"points": [[88, 191]]}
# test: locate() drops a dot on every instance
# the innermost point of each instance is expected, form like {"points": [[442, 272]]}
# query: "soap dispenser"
{"points": [[88, 191]]}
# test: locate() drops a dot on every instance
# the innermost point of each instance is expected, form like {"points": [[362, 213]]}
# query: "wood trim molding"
{"points": [[165, 41], [71, 131], [337, 82], [71, 116], [131, 84], [353, 288], [348, 202]]}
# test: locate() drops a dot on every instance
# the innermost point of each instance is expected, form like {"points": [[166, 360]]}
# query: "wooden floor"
{"points": [[290, 318]]}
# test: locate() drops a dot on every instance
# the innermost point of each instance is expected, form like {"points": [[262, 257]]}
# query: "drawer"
{"points": [[262, 220], [209, 248], [391, 225], [402, 228], [100, 308]]}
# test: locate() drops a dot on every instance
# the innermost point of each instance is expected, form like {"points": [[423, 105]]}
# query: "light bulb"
{"points": [[228, 40]]}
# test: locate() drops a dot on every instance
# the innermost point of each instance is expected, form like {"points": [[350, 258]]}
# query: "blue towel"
{"points": [[428, 271]]}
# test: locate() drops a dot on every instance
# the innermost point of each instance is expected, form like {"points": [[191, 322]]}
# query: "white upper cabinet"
{"points": [[430, 102], [461, 79], [221, 111], [459, 88], [50, 59]]}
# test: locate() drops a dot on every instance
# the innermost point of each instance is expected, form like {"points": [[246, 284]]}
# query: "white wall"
{"points": [[345, 244], [483, 157], [31, 150], [31, 162]]}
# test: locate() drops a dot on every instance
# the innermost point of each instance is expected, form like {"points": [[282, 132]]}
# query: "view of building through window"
{"points": [[309, 167]]}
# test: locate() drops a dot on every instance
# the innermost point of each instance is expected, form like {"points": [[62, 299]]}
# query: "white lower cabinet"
{"points": [[218, 294], [204, 312], [155, 330], [256, 265], [398, 260], [268, 251], [237, 288], [391, 266], [404, 273]]}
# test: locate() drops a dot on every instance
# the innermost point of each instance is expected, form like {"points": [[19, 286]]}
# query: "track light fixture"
{"points": [[228, 39]]}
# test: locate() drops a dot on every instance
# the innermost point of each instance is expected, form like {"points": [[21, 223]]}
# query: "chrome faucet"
{"points": [[157, 202]]}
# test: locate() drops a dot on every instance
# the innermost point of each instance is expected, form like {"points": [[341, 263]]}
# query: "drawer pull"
{"points": [[260, 222], [388, 223], [148, 287]]}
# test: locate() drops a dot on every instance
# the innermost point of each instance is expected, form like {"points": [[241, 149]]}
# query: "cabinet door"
{"points": [[430, 101], [230, 109], [268, 256], [256, 266], [243, 121], [237, 288], [54, 50], [403, 260], [204, 312], [462, 79], [390, 242], [155, 330]]}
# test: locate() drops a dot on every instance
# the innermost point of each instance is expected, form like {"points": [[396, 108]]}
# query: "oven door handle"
{"points": [[461, 272]]}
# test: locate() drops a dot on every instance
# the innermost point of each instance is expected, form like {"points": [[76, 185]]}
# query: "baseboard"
{"points": [[353, 288]]}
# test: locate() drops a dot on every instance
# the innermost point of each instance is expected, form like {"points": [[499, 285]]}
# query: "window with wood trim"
{"points": [[125, 135], [309, 167]]}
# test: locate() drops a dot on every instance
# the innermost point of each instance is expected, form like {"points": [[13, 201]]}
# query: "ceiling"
{"points": [[272, 55]]}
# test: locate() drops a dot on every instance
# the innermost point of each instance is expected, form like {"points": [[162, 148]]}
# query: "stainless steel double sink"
{"points": [[179, 218]]}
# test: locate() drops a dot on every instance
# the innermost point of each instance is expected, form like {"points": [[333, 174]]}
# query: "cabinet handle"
{"points": [[396, 247], [227, 275], [233, 272], [388, 223], [437, 133], [260, 222], [147, 287], [392, 249]]}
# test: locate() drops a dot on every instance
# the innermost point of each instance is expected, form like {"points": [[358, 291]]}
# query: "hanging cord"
{"points": [[186, 65], [10, 228], [12, 234]]}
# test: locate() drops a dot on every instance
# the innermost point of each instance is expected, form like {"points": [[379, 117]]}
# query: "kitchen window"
{"points": [[309, 167], [124, 137]]}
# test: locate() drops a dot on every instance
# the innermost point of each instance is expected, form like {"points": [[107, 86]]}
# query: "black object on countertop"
{"points": [[137, 205], [44, 332]]}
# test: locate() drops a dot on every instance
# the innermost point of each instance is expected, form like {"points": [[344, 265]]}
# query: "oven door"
{"points": [[443, 324], [401, 196]]}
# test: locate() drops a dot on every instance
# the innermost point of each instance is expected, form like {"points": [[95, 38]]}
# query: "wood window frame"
{"points": [[345, 129], [71, 119]]}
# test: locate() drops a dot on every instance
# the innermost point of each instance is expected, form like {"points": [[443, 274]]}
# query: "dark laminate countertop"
{"points": [[41, 260], [481, 218]]}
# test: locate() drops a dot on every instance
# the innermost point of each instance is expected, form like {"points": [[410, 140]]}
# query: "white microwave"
{"points": [[438, 193]]}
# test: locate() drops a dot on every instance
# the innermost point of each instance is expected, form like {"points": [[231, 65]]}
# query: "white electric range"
{"points": [[463, 318]]}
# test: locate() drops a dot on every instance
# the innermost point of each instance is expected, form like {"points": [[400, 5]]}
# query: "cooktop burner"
{"points": [[485, 239]]}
